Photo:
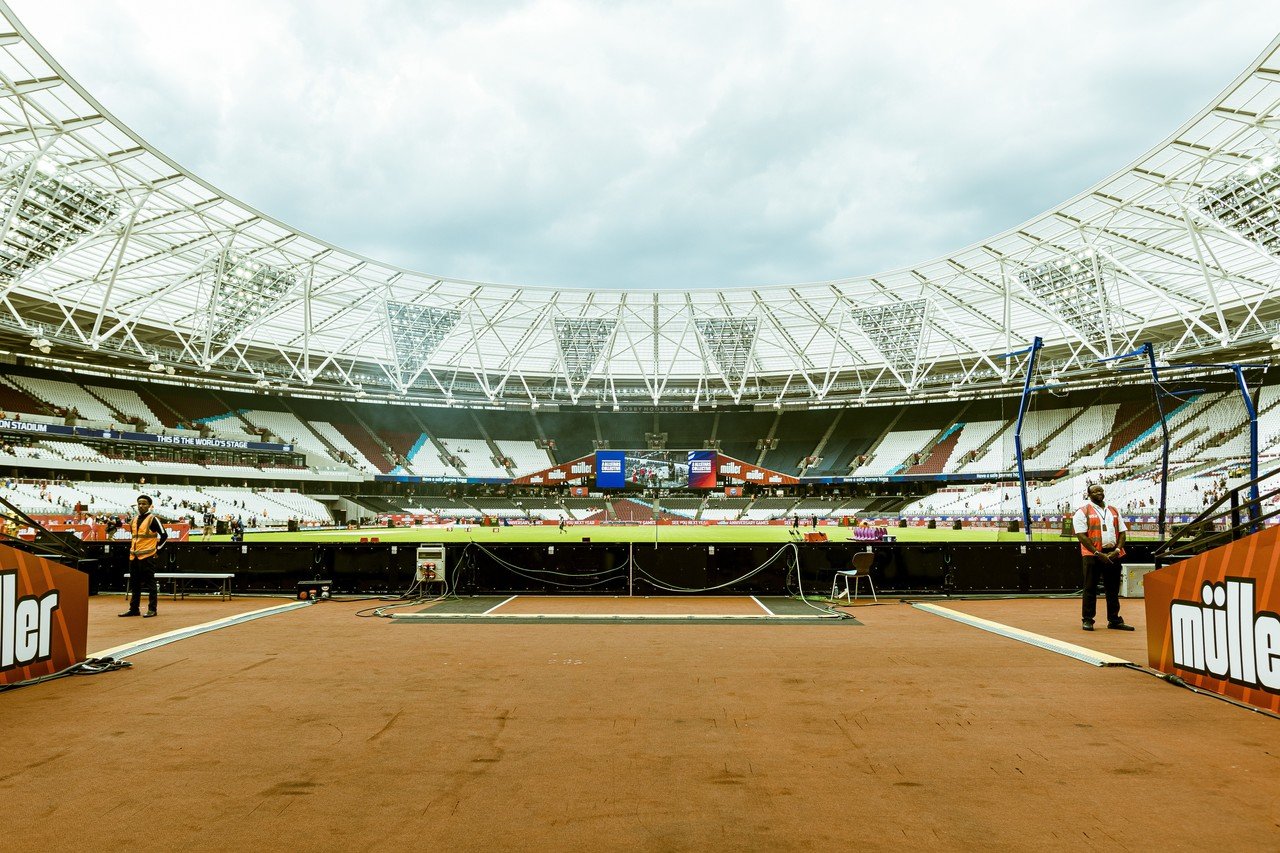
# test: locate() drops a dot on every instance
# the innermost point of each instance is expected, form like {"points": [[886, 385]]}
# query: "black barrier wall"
{"points": [[374, 569]]}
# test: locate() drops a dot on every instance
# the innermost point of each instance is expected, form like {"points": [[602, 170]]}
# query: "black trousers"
{"points": [[1095, 569], [142, 575]]}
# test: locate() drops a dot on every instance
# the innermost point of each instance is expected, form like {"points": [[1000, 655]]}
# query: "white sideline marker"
{"points": [[1059, 646], [155, 642]]}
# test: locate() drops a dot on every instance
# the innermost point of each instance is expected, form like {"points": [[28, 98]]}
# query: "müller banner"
{"points": [[1214, 620], [38, 428], [44, 616]]}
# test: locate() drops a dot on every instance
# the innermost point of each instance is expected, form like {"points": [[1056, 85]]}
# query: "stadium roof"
{"points": [[112, 252]]}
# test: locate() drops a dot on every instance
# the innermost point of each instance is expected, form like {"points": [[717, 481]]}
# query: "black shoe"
{"points": [[130, 613], [1086, 626], [151, 613], [1120, 626]]}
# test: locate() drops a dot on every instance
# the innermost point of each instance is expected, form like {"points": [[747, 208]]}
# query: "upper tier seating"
{"points": [[894, 451], [126, 402], [66, 395], [331, 434], [477, 458], [526, 457]]}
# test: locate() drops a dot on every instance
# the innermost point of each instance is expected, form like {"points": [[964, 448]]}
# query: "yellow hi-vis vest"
{"points": [[145, 541]]}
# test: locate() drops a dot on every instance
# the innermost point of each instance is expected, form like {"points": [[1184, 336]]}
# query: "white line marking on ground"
{"points": [[499, 604], [761, 603]]}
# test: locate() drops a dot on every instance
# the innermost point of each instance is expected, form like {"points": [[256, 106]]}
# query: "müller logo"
{"points": [[26, 624], [1222, 636]]}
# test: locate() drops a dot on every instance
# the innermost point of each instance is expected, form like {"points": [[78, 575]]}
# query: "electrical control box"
{"points": [[429, 563]]}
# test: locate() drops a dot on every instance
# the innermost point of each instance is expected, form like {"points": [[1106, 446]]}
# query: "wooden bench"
{"points": [[179, 578]]}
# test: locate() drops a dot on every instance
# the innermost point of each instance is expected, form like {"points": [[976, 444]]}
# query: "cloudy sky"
{"points": [[651, 144]]}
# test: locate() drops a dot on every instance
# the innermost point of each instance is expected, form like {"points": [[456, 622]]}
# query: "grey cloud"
{"points": [[630, 145]]}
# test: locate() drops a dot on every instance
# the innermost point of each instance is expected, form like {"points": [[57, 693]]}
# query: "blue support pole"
{"points": [[1017, 435], [1254, 509], [1164, 431], [1238, 370]]}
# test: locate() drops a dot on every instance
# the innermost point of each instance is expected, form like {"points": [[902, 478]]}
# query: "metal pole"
{"points": [[1254, 509], [1017, 435], [1164, 430]]}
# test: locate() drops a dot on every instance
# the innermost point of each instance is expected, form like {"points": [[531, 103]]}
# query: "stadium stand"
{"points": [[574, 433], [477, 458], [369, 448], [526, 457], [739, 432], [337, 440], [15, 400], [57, 394], [127, 403], [1112, 435], [896, 450]]}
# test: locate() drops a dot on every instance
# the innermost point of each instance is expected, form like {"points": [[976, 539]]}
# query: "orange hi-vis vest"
{"points": [[1094, 532], [145, 541]]}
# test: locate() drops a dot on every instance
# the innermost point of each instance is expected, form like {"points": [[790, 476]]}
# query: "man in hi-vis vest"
{"points": [[149, 537], [1101, 532]]}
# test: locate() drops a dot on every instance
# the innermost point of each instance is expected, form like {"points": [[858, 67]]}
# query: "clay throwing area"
{"points": [[309, 729]]}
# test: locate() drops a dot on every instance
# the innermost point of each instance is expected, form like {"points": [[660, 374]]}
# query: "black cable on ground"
{"points": [[92, 666], [1178, 682]]}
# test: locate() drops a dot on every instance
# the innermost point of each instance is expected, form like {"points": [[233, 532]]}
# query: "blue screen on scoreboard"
{"points": [[702, 469], [611, 469]]}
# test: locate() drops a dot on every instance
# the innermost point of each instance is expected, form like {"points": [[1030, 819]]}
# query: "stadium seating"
{"points": [[127, 403], [894, 452], [1110, 434], [526, 457], [328, 432], [15, 400], [476, 457], [67, 395]]}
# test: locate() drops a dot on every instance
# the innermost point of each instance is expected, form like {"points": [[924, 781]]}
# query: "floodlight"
{"points": [[49, 212], [416, 332], [243, 291], [582, 342], [1071, 286], [897, 330], [729, 343], [1247, 202]]}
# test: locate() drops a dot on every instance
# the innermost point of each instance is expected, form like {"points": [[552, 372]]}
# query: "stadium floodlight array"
{"points": [[896, 329], [1072, 286], [416, 332], [243, 290], [45, 212], [729, 343], [582, 341], [1248, 203]]}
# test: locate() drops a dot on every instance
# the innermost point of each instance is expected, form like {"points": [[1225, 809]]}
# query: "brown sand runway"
{"points": [[315, 730]]}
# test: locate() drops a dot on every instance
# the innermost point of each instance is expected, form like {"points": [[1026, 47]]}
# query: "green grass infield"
{"points": [[638, 534]]}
